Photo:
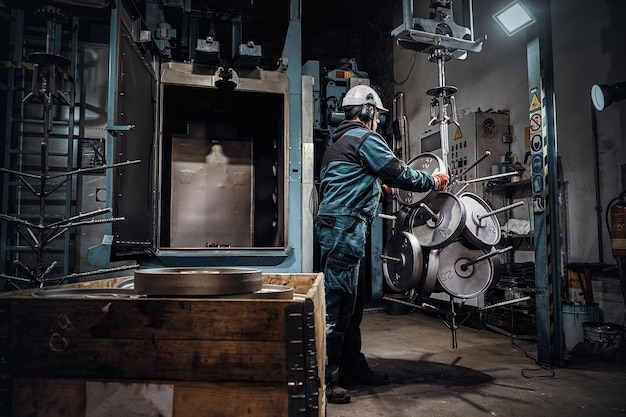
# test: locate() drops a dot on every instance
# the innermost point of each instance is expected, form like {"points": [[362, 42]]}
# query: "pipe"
{"points": [[596, 176], [407, 14]]}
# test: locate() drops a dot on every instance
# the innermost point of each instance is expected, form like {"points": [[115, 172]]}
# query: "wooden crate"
{"points": [[195, 357]]}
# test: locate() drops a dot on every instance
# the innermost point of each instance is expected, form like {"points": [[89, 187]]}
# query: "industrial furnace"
{"points": [[222, 160], [225, 159]]}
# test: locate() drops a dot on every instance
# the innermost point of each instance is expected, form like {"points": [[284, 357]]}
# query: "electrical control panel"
{"points": [[476, 134]]}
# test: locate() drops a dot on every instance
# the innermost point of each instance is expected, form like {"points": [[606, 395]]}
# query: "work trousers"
{"points": [[342, 247]]}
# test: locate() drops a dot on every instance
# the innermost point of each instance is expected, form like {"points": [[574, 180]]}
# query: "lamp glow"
{"points": [[513, 18], [603, 95]]}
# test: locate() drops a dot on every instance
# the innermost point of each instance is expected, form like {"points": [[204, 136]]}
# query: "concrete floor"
{"points": [[488, 374]]}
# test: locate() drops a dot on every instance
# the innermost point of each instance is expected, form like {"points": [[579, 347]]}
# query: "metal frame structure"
{"points": [[35, 227], [46, 177], [441, 38]]}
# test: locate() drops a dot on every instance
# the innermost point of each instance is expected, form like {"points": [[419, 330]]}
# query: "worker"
{"points": [[357, 169]]}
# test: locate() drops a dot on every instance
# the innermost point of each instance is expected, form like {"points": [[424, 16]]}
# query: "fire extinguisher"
{"points": [[617, 226]]}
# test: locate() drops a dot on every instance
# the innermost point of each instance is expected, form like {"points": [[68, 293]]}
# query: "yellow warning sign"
{"points": [[534, 103], [458, 135]]}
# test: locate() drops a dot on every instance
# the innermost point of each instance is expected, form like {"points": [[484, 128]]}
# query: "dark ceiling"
{"points": [[331, 29]]}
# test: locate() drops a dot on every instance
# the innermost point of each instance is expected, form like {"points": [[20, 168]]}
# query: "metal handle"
{"points": [[433, 216], [500, 210], [491, 177], [479, 160], [485, 256], [391, 258]]}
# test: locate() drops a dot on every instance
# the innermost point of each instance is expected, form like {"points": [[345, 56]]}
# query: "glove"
{"points": [[441, 181], [387, 190]]}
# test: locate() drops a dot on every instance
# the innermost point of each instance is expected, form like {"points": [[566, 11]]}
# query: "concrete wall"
{"points": [[587, 49]]}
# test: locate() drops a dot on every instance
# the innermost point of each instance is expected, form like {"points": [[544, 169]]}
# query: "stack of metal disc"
{"points": [[442, 242]]}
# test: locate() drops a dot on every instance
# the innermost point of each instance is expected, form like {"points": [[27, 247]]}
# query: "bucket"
{"points": [[574, 315], [609, 336], [603, 332]]}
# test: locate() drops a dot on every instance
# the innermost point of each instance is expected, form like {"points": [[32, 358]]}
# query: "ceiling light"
{"points": [[514, 18]]}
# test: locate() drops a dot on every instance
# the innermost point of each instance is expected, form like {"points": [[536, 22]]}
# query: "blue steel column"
{"points": [[544, 182], [292, 50], [111, 100]]}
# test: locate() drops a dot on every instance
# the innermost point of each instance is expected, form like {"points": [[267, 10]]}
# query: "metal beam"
{"points": [[292, 51], [542, 120]]}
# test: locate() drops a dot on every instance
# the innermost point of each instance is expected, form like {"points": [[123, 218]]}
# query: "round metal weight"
{"points": [[426, 162], [267, 292], [402, 219], [42, 58], [402, 261], [457, 276], [86, 293], [445, 227], [429, 280], [126, 284], [480, 230], [496, 266], [194, 282]]}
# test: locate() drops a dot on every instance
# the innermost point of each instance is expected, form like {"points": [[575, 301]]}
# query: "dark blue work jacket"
{"points": [[353, 168]]}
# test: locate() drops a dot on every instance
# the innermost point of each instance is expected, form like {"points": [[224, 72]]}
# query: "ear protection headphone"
{"points": [[367, 113]]}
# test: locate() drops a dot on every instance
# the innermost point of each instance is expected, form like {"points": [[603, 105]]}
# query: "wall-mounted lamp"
{"points": [[514, 18], [603, 95]]}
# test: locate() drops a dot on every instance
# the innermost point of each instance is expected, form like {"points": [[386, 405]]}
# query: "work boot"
{"points": [[337, 395], [368, 378]]}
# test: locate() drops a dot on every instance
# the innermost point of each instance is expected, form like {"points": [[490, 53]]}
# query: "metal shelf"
{"points": [[509, 186]]}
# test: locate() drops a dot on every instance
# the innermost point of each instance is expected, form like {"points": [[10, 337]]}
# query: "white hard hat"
{"points": [[363, 94]]}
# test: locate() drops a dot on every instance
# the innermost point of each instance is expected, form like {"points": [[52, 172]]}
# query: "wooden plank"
{"points": [[59, 397], [149, 318], [186, 360], [48, 398], [301, 283], [317, 296], [231, 400]]}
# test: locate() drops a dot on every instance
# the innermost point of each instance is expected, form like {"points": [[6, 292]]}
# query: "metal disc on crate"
{"points": [[196, 282], [402, 261], [426, 162], [267, 291], [128, 283], [444, 227], [481, 230], [457, 276], [85, 293]]}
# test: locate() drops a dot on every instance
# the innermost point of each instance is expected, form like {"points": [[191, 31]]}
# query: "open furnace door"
{"points": [[132, 121]]}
